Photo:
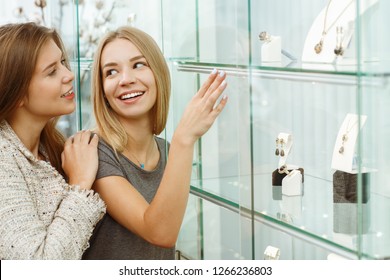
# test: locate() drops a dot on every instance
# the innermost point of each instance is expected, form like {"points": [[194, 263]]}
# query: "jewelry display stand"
{"points": [[271, 50], [345, 186], [290, 177], [323, 40], [271, 253], [292, 183], [345, 218], [291, 205], [344, 149]]}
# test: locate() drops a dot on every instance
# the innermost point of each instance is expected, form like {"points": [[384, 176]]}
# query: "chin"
{"points": [[69, 109]]}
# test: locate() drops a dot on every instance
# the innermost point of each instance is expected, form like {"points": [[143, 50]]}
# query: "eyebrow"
{"points": [[131, 60], [49, 66]]}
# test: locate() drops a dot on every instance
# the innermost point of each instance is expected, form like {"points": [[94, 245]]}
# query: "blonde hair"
{"points": [[20, 45], [109, 127]]}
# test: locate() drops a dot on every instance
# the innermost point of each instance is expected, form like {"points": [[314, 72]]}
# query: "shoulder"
{"points": [[162, 143], [104, 149], [7, 150]]}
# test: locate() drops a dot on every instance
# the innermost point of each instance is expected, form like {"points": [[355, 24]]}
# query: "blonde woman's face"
{"points": [[128, 82], [50, 93]]}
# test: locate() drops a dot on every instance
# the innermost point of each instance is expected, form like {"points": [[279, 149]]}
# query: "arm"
{"points": [[39, 219], [159, 222]]}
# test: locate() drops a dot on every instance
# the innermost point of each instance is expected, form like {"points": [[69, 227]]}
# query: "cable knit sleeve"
{"points": [[40, 218]]}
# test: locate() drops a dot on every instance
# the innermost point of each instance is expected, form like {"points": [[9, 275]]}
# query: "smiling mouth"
{"points": [[131, 95], [69, 92]]}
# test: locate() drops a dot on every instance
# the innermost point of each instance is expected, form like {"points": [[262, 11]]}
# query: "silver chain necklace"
{"points": [[318, 47]]}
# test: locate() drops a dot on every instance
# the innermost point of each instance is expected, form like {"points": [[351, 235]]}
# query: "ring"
{"points": [[271, 253], [264, 36], [283, 169]]}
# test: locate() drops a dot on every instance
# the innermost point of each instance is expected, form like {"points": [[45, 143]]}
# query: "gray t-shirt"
{"points": [[110, 240]]}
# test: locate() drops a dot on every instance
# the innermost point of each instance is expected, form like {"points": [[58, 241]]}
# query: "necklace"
{"points": [[325, 30], [148, 152], [344, 138], [142, 165]]}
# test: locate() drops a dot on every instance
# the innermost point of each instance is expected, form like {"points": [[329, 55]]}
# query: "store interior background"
{"points": [[232, 213]]}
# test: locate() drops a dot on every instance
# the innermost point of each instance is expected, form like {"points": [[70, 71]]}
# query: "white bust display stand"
{"points": [[343, 161], [341, 13]]}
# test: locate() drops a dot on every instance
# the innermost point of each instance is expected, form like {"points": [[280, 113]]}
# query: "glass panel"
{"points": [[290, 248], [374, 102], [223, 234], [309, 96], [190, 241]]}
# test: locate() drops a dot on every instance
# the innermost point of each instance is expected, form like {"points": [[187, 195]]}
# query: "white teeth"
{"points": [[131, 95], [67, 93]]}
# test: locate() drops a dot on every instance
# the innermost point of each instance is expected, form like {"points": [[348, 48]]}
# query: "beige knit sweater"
{"points": [[41, 216]]}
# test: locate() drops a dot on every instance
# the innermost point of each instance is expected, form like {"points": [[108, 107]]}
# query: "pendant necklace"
{"points": [[344, 138], [140, 164], [325, 30]]}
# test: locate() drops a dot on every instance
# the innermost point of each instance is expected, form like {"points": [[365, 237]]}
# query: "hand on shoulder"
{"points": [[80, 158]]}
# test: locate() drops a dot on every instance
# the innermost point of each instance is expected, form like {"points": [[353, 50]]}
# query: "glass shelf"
{"points": [[321, 73], [304, 216]]}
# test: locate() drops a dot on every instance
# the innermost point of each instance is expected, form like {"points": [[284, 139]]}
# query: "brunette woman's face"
{"points": [[128, 82], [50, 92]]}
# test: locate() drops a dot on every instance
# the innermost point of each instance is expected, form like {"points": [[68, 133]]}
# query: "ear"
{"points": [[22, 102]]}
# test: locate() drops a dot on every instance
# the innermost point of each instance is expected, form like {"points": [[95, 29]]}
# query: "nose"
{"points": [[128, 77], [68, 76]]}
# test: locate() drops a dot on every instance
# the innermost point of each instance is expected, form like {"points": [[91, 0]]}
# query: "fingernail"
{"points": [[224, 96], [221, 73], [223, 83], [214, 71]]}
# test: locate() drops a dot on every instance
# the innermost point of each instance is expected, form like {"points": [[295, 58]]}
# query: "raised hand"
{"points": [[203, 108]]}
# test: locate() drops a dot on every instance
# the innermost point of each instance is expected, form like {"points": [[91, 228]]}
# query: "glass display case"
{"points": [[306, 77], [297, 161]]}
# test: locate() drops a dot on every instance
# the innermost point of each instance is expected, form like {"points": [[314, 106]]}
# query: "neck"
{"points": [[141, 146], [143, 153], [29, 132]]}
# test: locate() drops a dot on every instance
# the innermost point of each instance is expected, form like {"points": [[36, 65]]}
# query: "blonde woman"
{"points": [[146, 192]]}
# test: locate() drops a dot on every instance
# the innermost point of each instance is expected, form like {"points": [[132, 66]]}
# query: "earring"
{"points": [[107, 103], [277, 147], [281, 147], [339, 50]]}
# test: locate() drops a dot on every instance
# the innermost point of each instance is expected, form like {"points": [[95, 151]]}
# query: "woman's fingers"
{"points": [[213, 81], [219, 106], [83, 137], [218, 81], [80, 158]]}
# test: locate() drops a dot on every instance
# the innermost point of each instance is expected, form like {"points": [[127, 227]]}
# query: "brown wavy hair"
{"points": [[20, 45]]}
